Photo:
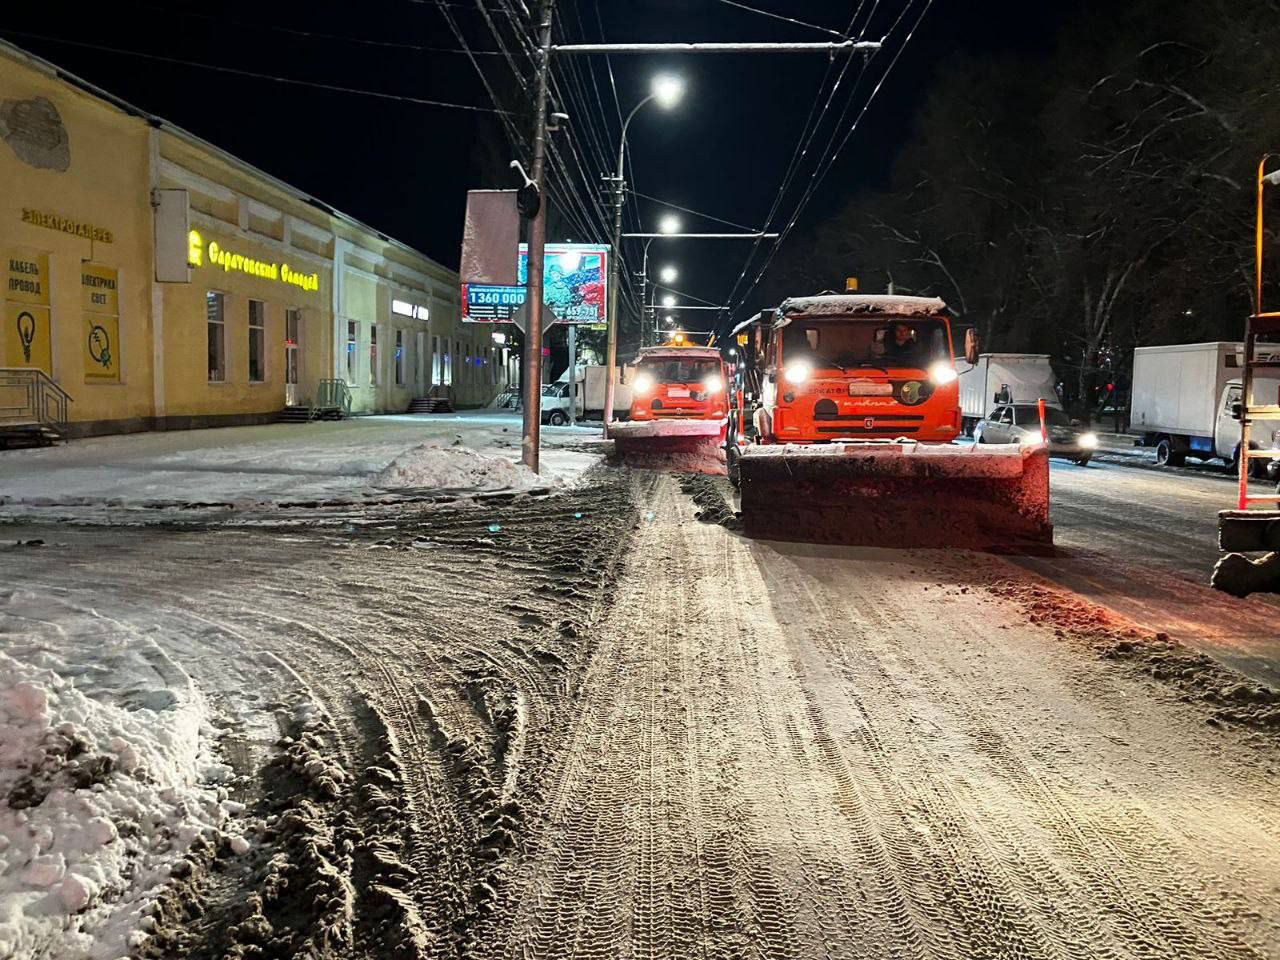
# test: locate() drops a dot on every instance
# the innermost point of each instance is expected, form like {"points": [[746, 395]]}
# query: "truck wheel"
{"points": [[1084, 461], [1166, 456], [557, 418]]}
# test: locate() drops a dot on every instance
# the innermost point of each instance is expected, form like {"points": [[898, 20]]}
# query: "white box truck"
{"points": [[1183, 398], [1004, 378], [590, 395]]}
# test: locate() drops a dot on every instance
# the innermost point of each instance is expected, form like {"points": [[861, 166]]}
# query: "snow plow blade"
{"points": [[686, 446], [899, 495]]}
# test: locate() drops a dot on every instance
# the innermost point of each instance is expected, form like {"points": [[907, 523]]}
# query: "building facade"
{"points": [[163, 283]]}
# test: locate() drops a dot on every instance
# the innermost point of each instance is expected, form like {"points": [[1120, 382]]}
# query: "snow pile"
{"points": [[100, 767], [452, 468]]}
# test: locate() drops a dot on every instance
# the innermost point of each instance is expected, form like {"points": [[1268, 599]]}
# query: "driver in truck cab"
{"points": [[901, 346]]}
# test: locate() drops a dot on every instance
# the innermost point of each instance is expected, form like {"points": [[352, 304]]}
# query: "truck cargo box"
{"points": [[1176, 388], [1029, 377]]}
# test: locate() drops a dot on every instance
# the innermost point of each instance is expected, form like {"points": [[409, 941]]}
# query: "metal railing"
{"points": [[331, 395], [30, 398]]}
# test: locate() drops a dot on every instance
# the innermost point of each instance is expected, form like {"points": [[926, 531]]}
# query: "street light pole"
{"points": [[615, 258], [531, 440], [667, 91]]}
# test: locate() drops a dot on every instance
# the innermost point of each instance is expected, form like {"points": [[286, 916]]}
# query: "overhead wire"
{"points": [[336, 88], [824, 168], [779, 16]]}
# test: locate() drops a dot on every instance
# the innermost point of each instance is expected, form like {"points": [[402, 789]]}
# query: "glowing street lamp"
{"points": [[668, 301], [669, 224], [667, 89], [668, 274]]}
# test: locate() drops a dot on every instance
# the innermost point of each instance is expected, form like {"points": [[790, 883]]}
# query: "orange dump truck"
{"points": [[679, 410], [843, 425]]}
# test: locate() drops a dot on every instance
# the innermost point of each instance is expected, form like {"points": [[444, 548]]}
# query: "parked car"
{"points": [[1020, 423]]}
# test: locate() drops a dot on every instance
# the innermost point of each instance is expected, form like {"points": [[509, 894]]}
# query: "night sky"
{"points": [[404, 168]]}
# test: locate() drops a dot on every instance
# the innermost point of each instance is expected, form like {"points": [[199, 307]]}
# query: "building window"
{"points": [[448, 363], [215, 314], [435, 362], [399, 358], [257, 341], [373, 354], [353, 339]]}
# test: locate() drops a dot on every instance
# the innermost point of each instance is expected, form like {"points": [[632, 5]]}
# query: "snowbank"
{"points": [[104, 780], [436, 466]]}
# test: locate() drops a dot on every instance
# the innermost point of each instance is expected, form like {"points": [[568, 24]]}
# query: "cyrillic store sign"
{"points": [[216, 255]]}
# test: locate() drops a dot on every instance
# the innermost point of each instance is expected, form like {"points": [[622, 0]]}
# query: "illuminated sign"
{"points": [[218, 256], [575, 280], [77, 228], [405, 309], [490, 303]]}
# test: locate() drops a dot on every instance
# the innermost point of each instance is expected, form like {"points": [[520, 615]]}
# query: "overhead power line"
{"points": [[779, 16], [401, 98]]}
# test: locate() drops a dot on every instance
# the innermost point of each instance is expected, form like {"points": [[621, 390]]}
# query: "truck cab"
{"points": [[842, 367], [680, 382]]}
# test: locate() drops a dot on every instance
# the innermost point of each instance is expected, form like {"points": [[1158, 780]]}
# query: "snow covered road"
{"points": [[589, 725]]}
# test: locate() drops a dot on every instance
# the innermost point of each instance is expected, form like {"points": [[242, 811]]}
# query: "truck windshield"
{"points": [[679, 371], [847, 344]]}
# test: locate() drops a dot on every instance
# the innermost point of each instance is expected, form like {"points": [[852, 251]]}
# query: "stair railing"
{"points": [[330, 395], [29, 395]]}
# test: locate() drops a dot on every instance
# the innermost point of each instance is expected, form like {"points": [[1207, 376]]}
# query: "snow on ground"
{"points": [[105, 779], [277, 463]]}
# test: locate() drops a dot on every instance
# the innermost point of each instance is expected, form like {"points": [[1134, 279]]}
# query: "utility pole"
{"points": [[615, 259], [532, 440], [573, 374]]}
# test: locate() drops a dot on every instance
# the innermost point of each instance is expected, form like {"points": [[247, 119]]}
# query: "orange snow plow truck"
{"points": [[845, 412], [679, 410]]}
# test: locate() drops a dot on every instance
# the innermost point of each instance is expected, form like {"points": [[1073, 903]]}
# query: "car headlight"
{"points": [[942, 373], [713, 384], [644, 383], [797, 372], [1088, 441]]}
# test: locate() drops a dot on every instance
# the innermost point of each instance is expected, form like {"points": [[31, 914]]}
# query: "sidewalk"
{"points": [[470, 452]]}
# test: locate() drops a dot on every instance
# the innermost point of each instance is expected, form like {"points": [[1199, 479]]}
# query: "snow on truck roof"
{"points": [[695, 353], [845, 304]]}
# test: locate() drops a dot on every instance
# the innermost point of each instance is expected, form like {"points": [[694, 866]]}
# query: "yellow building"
{"points": [[159, 282]]}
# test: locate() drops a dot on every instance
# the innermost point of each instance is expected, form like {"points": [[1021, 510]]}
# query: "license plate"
{"points": [[870, 388], [677, 392]]}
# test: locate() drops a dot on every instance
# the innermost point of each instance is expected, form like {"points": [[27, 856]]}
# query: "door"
{"points": [[292, 357], [996, 427], [1228, 434]]}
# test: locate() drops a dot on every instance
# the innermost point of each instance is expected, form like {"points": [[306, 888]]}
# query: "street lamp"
{"points": [[668, 274], [667, 90], [669, 224], [668, 301]]}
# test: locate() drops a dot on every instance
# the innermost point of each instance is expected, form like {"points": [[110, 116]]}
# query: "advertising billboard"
{"points": [[575, 277]]}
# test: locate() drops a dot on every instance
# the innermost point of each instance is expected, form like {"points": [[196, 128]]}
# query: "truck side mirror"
{"points": [[971, 347], [1237, 411]]}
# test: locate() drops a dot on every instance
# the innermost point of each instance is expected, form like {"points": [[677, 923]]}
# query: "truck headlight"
{"points": [[644, 383], [713, 384], [798, 371], [942, 373], [1088, 441]]}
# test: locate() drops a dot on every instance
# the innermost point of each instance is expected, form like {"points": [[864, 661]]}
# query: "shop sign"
{"points": [[27, 340], [77, 228], [98, 286], [26, 277], [100, 327], [216, 255]]}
